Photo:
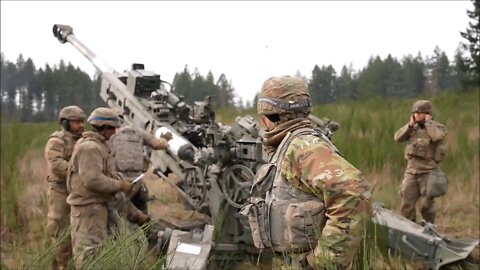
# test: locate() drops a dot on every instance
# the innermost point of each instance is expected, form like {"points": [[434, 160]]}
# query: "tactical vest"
{"points": [[421, 146], [69, 144], [108, 166], [285, 219], [128, 148]]}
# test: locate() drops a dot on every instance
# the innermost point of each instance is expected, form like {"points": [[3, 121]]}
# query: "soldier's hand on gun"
{"points": [[126, 186], [167, 136], [428, 117]]}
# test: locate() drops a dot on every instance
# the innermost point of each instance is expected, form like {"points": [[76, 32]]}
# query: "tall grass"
{"points": [[16, 140], [365, 138]]}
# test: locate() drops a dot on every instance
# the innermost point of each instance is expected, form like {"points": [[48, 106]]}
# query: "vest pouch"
{"points": [[440, 152], [278, 225], [128, 146], [418, 148], [305, 222], [263, 180], [257, 214], [437, 184]]}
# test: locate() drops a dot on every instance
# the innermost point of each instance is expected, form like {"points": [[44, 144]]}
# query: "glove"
{"points": [[167, 136], [126, 187], [142, 218]]}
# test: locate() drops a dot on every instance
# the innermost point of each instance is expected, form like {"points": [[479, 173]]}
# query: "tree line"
{"points": [[31, 94], [390, 77]]}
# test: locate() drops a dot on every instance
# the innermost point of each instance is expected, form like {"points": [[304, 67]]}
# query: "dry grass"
{"points": [[168, 203], [365, 138]]}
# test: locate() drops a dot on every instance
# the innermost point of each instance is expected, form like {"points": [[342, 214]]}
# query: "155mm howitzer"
{"points": [[217, 164]]}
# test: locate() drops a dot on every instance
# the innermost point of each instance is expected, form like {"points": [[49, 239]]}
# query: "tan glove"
{"points": [[126, 187], [167, 136]]}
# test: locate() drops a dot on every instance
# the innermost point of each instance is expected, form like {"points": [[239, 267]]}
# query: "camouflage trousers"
{"points": [[413, 189], [89, 229], [58, 222]]}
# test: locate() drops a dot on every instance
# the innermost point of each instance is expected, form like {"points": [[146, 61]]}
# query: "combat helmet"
{"points": [[422, 106], [284, 95], [104, 117], [71, 113]]}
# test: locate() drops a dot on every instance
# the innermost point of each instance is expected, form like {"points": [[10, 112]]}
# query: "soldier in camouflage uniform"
{"points": [[316, 201], [92, 183], [127, 152], [58, 151], [424, 151]]}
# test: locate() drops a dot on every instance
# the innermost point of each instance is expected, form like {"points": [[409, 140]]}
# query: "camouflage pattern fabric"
{"points": [[91, 178], [129, 149], [91, 185], [313, 167], [425, 148], [58, 151], [284, 95], [413, 189], [89, 229], [424, 151]]}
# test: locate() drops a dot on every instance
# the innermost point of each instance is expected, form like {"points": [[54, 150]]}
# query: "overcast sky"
{"points": [[248, 41]]}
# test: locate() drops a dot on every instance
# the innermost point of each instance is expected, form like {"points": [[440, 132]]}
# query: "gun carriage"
{"points": [[216, 165]]}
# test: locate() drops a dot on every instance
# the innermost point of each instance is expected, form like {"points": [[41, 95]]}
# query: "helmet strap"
{"points": [[66, 124]]}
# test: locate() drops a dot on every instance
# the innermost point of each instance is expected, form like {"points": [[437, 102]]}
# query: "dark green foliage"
{"points": [[472, 42], [195, 87], [322, 85], [31, 95]]}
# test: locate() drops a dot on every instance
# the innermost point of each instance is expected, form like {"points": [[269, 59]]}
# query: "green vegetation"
{"points": [[365, 138], [16, 140]]}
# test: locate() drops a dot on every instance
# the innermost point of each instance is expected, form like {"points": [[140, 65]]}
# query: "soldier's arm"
{"points": [[436, 130], [134, 215], [156, 144], [346, 195], [54, 154], [90, 169], [403, 133]]}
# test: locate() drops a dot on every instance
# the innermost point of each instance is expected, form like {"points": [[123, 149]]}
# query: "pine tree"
{"points": [[472, 43]]}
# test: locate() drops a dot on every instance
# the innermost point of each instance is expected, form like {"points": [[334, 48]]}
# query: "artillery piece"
{"points": [[217, 164]]}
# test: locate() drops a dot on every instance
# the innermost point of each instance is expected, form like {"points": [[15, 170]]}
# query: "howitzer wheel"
{"points": [[195, 186], [236, 184]]}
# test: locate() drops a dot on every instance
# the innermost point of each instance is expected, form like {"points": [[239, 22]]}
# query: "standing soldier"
{"points": [[127, 152], [58, 151], [424, 151], [91, 184], [316, 202]]}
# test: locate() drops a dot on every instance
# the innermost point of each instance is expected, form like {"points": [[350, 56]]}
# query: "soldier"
{"points": [[91, 184], [317, 202], [58, 151], [127, 151], [423, 178]]}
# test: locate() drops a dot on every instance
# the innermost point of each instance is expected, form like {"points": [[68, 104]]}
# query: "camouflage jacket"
{"points": [[91, 171], [425, 148], [314, 167], [58, 151]]}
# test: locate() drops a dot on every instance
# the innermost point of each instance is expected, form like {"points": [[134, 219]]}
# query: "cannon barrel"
{"points": [[64, 33], [117, 95]]}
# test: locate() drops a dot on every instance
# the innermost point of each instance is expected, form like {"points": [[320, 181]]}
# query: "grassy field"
{"points": [[365, 138]]}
